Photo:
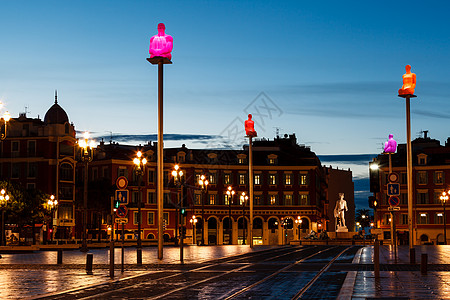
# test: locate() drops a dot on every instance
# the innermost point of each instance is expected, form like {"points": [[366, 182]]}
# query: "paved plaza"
{"points": [[28, 275]]}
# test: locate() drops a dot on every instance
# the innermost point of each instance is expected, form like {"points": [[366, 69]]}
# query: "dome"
{"points": [[56, 114]]}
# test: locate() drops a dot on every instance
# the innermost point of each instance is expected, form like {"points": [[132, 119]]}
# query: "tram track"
{"points": [[231, 278]]}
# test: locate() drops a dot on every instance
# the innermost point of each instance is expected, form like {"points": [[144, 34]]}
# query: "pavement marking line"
{"points": [[272, 275], [324, 269], [347, 287], [204, 280]]}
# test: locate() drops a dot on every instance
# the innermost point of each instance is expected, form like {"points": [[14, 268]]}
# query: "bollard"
{"points": [[59, 256], [376, 258], [412, 256], [89, 260], [424, 264]]}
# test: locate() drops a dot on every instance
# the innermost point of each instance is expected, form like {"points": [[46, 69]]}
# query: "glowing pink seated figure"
{"points": [[250, 127], [409, 82], [391, 145], [161, 44]]}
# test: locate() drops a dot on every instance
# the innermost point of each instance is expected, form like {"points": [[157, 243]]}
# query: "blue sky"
{"points": [[332, 69]]}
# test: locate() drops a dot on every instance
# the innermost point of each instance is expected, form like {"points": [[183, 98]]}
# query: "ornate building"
{"points": [[41, 155]]}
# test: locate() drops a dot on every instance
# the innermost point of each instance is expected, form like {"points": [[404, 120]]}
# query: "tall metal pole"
{"points": [[250, 182], [409, 172], [160, 160], [85, 196], [445, 227]]}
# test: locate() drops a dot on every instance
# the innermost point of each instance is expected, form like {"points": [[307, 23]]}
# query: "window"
{"points": [[167, 199], [32, 170], [105, 172], [166, 178], [304, 199], [273, 179], [386, 219], [288, 199], [151, 176], [403, 178], [198, 199], [135, 197], [122, 171], [404, 219], [257, 199], [166, 218], [66, 172], [439, 218], [31, 148], [213, 178], [151, 197], [422, 159], [273, 199], [31, 186], [242, 160], [287, 179], [212, 199], [303, 179], [242, 179], [227, 178], [422, 177], [136, 218], [151, 218], [257, 179], [15, 149], [438, 177], [422, 218], [226, 199], [404, 199], [422, 197], [94, 173], [65, 211], [15, 171]]}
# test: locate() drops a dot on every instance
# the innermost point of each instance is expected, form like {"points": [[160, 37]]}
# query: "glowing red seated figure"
{"points": [[161, 44], [250, 127], [391, 145], [409, 82]]}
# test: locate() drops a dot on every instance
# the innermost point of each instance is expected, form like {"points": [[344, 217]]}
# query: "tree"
{"points": [[364, 217]]}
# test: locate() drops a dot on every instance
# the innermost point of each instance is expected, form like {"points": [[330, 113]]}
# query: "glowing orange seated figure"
{"points": [[161, 44], [409, 82], [250, 127]]}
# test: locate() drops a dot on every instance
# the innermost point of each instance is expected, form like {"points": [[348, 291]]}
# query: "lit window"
{"points": [[439, 177], [273, 200], [422, 218], [227, 178], [272, 179], [304, 199], [288, 199], [257, 179], [287, 179], [242, 180], [212, 199], [303, 179]]}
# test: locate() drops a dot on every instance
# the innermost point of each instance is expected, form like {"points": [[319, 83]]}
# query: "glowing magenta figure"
{"points": [[391, 145], [409, 82], [250, 127], [161, 44]]}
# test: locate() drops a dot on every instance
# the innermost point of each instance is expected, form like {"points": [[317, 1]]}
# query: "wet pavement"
{"points": [[28, 275]]}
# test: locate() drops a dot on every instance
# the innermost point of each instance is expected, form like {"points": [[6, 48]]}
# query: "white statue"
{"points": [[339, 211]]}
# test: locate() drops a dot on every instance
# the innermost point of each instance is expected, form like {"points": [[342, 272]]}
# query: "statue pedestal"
{"points": [[342, 229]]}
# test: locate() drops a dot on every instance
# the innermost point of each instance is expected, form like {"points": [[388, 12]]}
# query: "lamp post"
{"points": [[243, 199], [193, 221], [203, 183], [6, 117], [51, 207], [444, 199], [177, 177], [87, 154], [230, 193], [298, 221], [284, 224], [139, 166], [4, 197]]}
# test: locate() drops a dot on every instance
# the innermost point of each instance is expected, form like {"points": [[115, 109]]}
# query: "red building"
{"points": [[431, 173], [289, 182], [41, 155]]}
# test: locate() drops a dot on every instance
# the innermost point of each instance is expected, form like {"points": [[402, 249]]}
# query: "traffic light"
{"points": [[374, 177], [116, 204], [373, 203], [183, 211]]}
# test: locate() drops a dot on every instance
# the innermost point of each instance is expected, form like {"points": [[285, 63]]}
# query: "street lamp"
{"points": [[243, 199], [51, 206], [139, 165], [6, 117], [193, 221], [177, 176], [230, 193], [204, 185], [4, 197], [87, 154], [298, 221], [444, 199]]}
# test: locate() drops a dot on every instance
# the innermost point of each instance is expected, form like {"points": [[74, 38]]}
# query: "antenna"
{"points": [[110, 139], [277, 131], [26, 110]]}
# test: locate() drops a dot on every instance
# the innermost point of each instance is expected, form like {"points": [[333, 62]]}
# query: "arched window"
{"points": [[66, 172]]}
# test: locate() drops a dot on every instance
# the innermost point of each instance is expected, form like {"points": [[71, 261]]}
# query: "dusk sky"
{"points": [[328, 71]]}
